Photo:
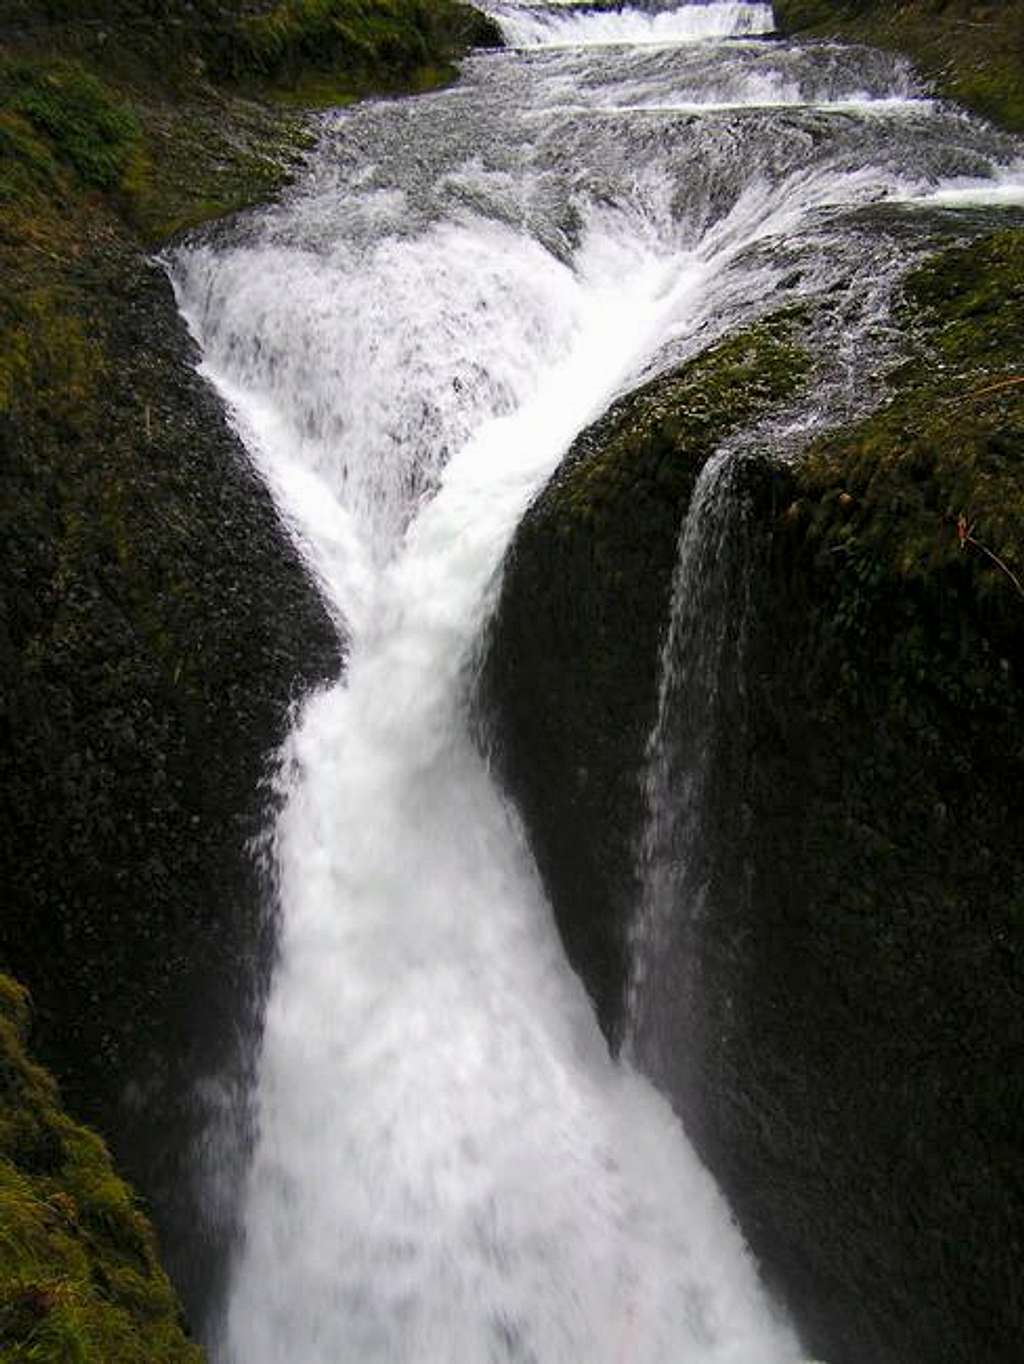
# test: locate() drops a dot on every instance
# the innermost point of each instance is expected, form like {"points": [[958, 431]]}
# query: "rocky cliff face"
{"points": [[838, 1022], [155, 627]]}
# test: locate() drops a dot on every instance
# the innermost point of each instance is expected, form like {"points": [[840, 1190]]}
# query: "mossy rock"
{"points": [[79, 1274], [183, 112], [839, 1021], [932, 483], [362, 43], [87, 126], [582, 610]]}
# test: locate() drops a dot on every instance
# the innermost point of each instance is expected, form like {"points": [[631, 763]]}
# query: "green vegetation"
{"points": [[662, 434], [907, 531], [180, 112], [973, 50], [85, 125], [949, 444], [352, 44], [79, 1278]]}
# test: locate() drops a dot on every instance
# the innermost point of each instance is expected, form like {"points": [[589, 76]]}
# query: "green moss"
{"points": [[227, 154], [666, 430], [797, 16], [357, 41], [87, 127], [170, 109], [27, 162], [79, 1278], [949, 443], [47, 359]]}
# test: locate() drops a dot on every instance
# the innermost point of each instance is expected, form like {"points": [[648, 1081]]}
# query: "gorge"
{"points": [[644, 882]]}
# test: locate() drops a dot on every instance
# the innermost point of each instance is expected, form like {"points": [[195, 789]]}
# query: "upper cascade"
{"points": [[565, 23]]}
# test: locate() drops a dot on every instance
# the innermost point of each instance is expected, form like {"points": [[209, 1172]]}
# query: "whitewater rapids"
{"points": [[449, 1167]]}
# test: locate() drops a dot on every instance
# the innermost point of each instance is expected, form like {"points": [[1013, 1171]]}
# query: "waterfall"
{"points": [[700, 691], [562, 24], [448, 1165]]}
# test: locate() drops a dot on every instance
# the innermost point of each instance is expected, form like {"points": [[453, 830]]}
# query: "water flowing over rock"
{"points": [[448, 1162], [771, 809], [640, 415]]}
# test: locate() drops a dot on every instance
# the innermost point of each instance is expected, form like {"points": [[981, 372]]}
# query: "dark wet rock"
{"points": [[838, 1001], [156, 628]]}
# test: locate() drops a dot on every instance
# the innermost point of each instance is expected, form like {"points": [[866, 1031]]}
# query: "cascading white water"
{"points": [[449, 1166], [488, 1184], [562, 24], [702, 649]]}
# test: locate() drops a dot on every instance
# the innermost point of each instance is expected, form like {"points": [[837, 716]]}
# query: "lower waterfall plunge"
{"points": [[448, 1165]]}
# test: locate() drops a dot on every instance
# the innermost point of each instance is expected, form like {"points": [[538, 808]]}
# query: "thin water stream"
{"points": [[448, 1165]]}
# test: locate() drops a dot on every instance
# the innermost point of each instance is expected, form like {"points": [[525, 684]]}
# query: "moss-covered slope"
{"points": [[181, 110], [155, 626], [841, 1022], [972, 49], [79, 1277]]}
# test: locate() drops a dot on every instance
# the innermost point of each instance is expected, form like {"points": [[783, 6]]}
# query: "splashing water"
{"points": [[567, 25], [449, 1165]]}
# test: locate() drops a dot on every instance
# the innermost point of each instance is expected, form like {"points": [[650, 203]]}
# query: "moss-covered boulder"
{"points": [[79, 1276], [839, 998], [885, 972]]}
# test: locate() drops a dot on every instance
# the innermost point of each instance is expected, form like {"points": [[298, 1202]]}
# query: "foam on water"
{"points": [[582, 26], [1004, 187], [488, 1184]]}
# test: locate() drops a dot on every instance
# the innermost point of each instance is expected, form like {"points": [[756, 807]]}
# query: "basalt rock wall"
{"points": [[838, 1010]]}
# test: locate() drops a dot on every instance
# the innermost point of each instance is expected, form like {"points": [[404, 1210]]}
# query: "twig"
{"points": [[994, 388], [964, 535]]}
